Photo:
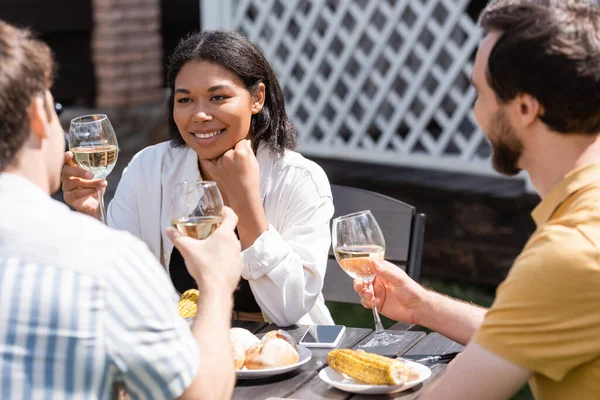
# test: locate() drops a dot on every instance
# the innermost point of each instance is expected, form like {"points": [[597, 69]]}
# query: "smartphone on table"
{"points": [[323, 336]]}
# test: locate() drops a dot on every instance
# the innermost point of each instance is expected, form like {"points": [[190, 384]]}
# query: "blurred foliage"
{"points": [[358, 316]]}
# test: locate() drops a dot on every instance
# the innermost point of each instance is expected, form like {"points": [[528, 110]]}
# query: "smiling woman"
{"points": [[228, 124], [212, 109], [237, 64]]}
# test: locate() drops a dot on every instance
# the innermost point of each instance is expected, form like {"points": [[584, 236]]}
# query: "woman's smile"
{"points": [[203, 135], [207, 138]]}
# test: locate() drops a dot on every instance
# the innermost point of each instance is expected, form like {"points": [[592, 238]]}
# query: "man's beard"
{"points": [[506, 147]]}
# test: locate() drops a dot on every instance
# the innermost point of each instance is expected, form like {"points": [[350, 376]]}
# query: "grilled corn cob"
{"points": [[187, 306], [191, 294], [369, 368]]}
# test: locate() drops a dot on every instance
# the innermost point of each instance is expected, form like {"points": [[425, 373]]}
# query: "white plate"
{"points": [[305, 356], [347, 384]]}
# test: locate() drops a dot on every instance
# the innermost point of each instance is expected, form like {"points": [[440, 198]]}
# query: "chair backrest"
{"points": [[403, 229]]}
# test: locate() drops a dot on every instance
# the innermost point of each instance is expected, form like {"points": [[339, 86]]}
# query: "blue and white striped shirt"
{"points": [[82, 305]]}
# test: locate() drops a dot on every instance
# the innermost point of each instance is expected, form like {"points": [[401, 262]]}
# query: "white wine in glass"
{"points": [[93, 142], [357, 240], [197, 227], [197, 208], [355, 260], [99, 160]]}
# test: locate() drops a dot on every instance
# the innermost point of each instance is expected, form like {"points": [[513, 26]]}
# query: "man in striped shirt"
{"points": [[82, 305]]}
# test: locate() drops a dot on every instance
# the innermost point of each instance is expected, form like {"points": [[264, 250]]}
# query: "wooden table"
{"points": [[304, 383]]}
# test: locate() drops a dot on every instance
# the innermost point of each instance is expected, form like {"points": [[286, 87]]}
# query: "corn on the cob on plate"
{"points": [[191, 294], [187, 306], [369, 368]]}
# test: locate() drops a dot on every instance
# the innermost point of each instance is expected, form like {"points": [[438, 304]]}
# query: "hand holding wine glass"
{"points": [[215, 262], [394, 293], [357, 240], [80, 189], [93, 142], [197, 208]]}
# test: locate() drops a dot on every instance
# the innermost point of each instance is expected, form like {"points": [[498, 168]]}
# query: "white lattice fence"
{"points": [[374, 80]]}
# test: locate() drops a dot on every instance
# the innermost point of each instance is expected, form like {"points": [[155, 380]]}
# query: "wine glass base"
{"points": [[382, 340]]}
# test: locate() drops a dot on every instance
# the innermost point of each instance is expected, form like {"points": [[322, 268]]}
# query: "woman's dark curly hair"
{"points": [[235, 52]]}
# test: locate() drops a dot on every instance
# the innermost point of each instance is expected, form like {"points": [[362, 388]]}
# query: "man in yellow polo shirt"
{"points": [[537, 76]]}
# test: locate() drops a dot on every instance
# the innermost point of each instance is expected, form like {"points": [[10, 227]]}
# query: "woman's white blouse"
{"points": [[285, 266]]}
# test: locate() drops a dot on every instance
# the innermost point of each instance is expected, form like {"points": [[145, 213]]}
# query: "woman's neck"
{"points": [[203, 172]]}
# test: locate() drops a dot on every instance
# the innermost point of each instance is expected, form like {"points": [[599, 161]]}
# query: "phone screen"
{"points": [[322, 334]]}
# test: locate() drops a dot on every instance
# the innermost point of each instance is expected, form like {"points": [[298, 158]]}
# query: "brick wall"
{"points": [[127, 52]]}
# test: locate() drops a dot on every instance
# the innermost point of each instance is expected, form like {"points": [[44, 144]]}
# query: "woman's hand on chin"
{"points": [[236, 172], [238, 176]]}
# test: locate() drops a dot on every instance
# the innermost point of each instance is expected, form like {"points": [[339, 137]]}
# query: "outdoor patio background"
{"points": [[396, 98]]}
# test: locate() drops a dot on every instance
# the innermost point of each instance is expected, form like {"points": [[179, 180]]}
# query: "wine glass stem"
{"points": [[378, 324], [102, 209]]}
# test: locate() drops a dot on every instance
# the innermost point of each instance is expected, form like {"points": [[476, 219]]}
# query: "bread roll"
{"points": [[281, 335], [239, 355], [271, 353], [243, 338], [241, 341]]}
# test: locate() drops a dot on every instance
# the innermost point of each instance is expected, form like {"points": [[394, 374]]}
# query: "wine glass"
{"points": [[93, 142], [356, 239], [197, 208]]}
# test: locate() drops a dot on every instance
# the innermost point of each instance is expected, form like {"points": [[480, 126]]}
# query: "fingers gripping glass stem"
{"points": [[378, 325], [93, 142], [357, 240]]}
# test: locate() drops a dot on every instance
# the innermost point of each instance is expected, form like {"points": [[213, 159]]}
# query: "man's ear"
{"points": [[38, 118], [258, 98], [530, 109]]}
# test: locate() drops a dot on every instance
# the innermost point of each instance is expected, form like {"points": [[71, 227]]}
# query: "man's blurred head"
{"points": [[28, 120]]}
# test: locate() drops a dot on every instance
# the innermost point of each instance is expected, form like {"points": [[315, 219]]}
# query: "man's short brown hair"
{"points": [[26, 70], [549, 49]]}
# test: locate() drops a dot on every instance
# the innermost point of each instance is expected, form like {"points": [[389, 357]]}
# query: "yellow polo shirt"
{"points": [[546, 316]]}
